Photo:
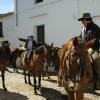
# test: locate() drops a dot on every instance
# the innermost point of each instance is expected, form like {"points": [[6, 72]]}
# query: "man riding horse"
{"points": [[90, 31], [30, 44]]}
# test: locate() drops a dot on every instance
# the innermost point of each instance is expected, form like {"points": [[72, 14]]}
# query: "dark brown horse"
{"points": [[48, 59], [15, 53], [75, 68], [4, 59], [56, 57], [38, 57]]}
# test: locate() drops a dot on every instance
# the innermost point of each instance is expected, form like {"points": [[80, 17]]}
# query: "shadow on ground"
{"points": [[51, 94], [51, 80], [91, 91], [7, 95]]}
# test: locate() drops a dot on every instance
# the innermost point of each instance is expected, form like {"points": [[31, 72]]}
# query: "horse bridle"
{"points": [[69, 80]]}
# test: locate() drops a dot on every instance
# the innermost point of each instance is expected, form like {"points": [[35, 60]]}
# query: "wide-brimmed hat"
{"points": [[85, 16]]}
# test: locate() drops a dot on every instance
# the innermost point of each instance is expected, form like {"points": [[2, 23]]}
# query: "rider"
{"points": [[90, 31], [30, 44]]}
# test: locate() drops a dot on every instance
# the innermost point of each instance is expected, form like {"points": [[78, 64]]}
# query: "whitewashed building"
{"points": [[48, 20]]}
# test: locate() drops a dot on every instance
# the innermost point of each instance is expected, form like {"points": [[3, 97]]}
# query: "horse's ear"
{"points": [[75, 41], [52, 45], [90, 43]]}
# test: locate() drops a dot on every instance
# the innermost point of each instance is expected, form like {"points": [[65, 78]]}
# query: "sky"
{"points": [[6, 6]]}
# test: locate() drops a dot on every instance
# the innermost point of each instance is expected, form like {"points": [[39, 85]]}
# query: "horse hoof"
{"points": [[30, 83], [5, 89], [49, 78], [35, 93], [38, 88], [26, 82]]}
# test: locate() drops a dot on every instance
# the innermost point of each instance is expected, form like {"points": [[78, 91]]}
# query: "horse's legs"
{"points": [[95, 76], [39, 81], [79, 95], [72, 97], [43, 76], [15, 67], [59, 78], [29, 77], [35, 92], [25, 76], [47, 73], [3, 79]]}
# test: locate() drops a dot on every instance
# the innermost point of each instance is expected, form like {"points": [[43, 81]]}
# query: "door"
{"points": [[1, 33], [41, 33]]}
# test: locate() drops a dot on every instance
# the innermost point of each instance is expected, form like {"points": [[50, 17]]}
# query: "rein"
{"points": [[78, 76], [38, 48]]}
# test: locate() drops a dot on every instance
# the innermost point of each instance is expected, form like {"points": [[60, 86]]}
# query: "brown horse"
{"points": [[4, 59], [38, 57], [75, 68]]}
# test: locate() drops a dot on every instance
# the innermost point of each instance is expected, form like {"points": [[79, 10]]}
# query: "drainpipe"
{"points": [[16, 11]]}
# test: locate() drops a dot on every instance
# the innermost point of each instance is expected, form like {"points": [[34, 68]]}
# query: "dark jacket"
{"points": [[93, 31], [33, 43]]}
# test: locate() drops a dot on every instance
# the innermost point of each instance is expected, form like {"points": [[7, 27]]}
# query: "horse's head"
{"points": [[75, 48], [48, 53], [76, 62], [5, 45], [45, 51]]}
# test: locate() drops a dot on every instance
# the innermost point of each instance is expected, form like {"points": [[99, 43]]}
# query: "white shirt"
{"points": [[83, 32]]}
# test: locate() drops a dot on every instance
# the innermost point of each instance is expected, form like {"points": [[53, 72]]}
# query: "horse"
{"points": [[4, 59], [95, 57], [48, 59], [38, 57], [56, 57], [75, 68], [15, 53]]}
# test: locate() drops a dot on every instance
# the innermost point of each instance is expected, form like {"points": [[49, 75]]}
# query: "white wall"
{"points": [[59, 17], [9, 29]]}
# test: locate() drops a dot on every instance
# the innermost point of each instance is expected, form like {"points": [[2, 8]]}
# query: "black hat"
{"points": [[85, 16]]}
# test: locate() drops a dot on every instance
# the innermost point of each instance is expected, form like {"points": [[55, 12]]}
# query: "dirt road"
{"points": [[18, 90]]}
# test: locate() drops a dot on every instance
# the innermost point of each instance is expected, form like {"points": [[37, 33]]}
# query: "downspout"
{"points": [[16, 11]]}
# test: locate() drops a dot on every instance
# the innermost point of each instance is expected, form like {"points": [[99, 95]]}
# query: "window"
{"points": [[41, 33], [1, 33], [38, 1]]}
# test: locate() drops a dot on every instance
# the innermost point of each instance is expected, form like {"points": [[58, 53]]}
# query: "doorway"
{"points": [[40, 33]]}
